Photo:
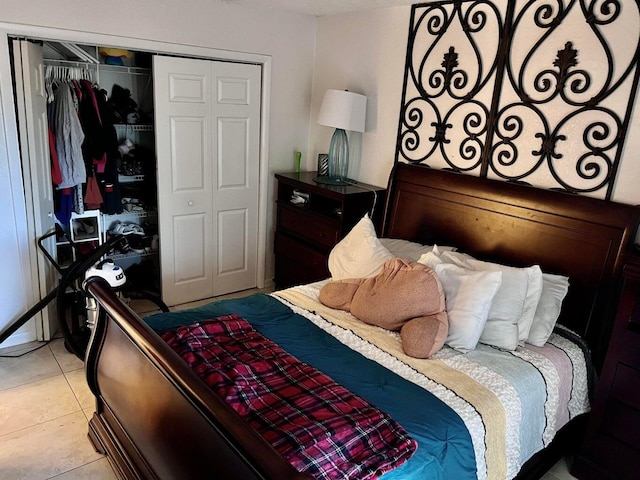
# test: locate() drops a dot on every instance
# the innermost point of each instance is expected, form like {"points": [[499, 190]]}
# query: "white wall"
{"points": [[365, 52], [288, 38]]}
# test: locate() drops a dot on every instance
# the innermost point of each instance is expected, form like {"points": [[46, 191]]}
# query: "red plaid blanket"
{"points": [[317, 425]]}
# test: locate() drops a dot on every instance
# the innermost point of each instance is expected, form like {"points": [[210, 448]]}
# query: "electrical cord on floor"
{"points": [[44, 344]]}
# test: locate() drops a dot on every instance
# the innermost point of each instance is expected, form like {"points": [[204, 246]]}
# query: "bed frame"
{"points": [[156, 419]]}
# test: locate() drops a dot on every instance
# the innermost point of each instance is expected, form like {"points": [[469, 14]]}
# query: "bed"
{"points": [[156, 417]]}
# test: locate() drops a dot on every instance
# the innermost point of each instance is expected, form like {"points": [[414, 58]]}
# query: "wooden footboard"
{"points": [[155, 418]]}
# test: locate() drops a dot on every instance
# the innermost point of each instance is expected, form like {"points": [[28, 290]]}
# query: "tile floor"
{"points": [[45, 405]]}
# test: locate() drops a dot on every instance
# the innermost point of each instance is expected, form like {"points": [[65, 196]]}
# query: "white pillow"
{"points": [[514, 305], [468, 296], [407, 249], [554, 289], [360, 254]]}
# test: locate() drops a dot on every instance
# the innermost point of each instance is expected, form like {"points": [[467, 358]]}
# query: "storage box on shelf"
{"points": [[85, 231], [311, 219], [612, 445]]}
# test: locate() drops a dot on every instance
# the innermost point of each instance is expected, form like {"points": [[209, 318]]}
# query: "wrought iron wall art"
{"points": [[535, 91]]}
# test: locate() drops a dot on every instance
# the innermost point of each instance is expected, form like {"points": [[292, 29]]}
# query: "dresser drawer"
{"points": [[297, 263], [620, 422], [625, 386], [308, 226]]}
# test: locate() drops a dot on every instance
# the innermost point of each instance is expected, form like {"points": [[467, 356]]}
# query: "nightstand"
{"points": [[308, 228], [612, 444]]}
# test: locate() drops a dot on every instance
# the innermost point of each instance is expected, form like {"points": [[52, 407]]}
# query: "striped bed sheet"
{"points": [[512, 403]]}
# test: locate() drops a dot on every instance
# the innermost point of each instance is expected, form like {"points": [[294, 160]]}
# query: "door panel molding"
{"points": [[188, 132], [232, 228]]}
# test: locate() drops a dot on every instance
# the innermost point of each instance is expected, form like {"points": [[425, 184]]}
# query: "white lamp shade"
{"points": [[343, 109]]}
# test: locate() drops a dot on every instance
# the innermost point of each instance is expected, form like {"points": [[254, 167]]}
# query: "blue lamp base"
{"points": [[338, 160]]}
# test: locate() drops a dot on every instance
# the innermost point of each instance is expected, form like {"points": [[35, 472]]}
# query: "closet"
{"points": [[108, 131], [184, 184], [128, 91]]}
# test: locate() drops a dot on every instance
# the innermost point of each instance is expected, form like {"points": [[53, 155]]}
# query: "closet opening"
{"points": [[86, 132], [234, 250], [135, 124]]}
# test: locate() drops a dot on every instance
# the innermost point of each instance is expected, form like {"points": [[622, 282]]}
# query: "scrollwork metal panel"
{"points": [[536, 91], [452, 61]]}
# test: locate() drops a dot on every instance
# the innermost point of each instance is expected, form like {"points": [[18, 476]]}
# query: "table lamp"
{"points": [[342, 110]]}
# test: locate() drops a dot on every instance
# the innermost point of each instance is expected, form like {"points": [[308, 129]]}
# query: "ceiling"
{"points": [[321, 7]]}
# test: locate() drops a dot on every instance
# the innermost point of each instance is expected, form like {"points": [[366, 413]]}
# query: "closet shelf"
{"points": [[86, 238], [100, 66], [130, 178], [119, 256], [125, 69], [68, 50], [131, 213], [134, 127]]}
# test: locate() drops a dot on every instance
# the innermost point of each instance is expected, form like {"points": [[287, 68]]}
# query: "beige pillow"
{"points": [[358, 255]]}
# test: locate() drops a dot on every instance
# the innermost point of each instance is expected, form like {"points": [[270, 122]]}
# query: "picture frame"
{"points": [[323, 164]]}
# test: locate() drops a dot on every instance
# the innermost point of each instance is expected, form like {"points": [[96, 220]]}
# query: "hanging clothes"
{"points": [[69, 137], [78, 199], [66, 136], [64, 206], [56, 174], [83, 141], [96, 135], [100, 147], [93, 198]]}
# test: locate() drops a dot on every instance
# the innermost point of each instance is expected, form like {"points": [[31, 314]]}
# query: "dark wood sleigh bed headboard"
{"points": [[581, 237]]}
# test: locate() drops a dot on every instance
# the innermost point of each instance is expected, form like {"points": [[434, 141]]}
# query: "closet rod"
{"points": [[70, 63], [99, 66], [54, 69]]}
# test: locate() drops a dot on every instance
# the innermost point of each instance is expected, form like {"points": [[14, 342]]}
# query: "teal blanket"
{"points": [[445, 450]]}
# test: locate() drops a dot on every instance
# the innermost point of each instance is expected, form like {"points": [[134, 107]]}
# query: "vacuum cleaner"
{"points": [[72, 300]]}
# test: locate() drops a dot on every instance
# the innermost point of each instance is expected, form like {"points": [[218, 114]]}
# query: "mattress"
{"points": [[476, 415]]}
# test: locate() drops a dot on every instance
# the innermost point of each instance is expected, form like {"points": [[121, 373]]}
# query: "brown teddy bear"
{"points": [[405, 296]]}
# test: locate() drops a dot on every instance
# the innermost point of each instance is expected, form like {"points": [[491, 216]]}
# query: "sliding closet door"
{"points": [[31, 106], [207, 130]]}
